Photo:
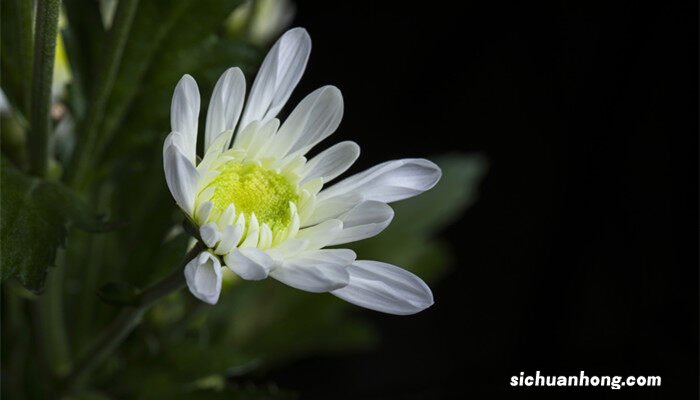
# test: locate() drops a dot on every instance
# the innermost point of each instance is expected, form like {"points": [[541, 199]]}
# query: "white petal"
{"points": [[181, 176], [265, 237], [246, 136], [262, 138], [278, 76], [203, 276], [228, 216], [249, 263], [251, 239], [331, 162], [229, 239], [322, 234], [313, 119], [184, 114], [332, 207], [225, 106], [365, 220], [203, 211], [289, 248], [252, 234], [210, 234], [174, 138], [385, 288], [293, 227], [214, 149], [389, 181], [317, 271]]}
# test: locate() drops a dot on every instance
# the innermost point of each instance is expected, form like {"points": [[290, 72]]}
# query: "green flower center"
{"points": [[254, 189]]}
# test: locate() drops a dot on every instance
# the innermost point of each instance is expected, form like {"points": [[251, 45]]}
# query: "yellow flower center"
{"points": [[254, 189]]}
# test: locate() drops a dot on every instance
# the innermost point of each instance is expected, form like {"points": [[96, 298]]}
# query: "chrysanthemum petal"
{"points": [[182, 177], [389, 181], [365, 220], [229, 239], [289, 248], [184, 114], [313, 119], [331, 162], [321, 235], [245, 136], [214, 150], [262, 138], [249, 263], [203, 211], [203, 277], [331, 208], [278, 76], [210, 234], [385, 288], [316, 271], [225, 106]]}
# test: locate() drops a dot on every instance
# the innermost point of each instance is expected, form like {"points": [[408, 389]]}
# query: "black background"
{"points": [[582, 250]]}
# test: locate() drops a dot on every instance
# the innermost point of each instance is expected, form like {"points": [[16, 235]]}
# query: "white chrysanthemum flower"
{"points": [[261, 207]]}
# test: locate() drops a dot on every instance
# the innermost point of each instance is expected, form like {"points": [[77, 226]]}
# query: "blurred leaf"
{"points": [[162, 387], [16, 58], [276, 323], [87, 395], [255, 325], [186, 369], [33, 220], [84, 37], [118, 293], [192, 361], [148, 42], [246, 392], [205, 60]]}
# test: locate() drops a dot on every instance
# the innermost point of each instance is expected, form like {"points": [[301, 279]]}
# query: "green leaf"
{"points": [[33, 220]]}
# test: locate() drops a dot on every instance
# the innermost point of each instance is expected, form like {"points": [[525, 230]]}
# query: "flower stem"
{"points": [[105, 76], [126, 321], [44, 55]]}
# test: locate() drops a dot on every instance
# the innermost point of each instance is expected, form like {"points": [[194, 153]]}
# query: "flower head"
{"points": [[262, 207]]}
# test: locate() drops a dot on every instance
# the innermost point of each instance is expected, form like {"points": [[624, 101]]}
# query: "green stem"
{"points": [[104, 76], [39, 354], [22, 36], [42, 78], [96, 248], [18, 344], [53, 320], [126, 321]]}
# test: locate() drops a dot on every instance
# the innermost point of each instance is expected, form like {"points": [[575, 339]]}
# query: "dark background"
{"points": [[582, 250]]}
